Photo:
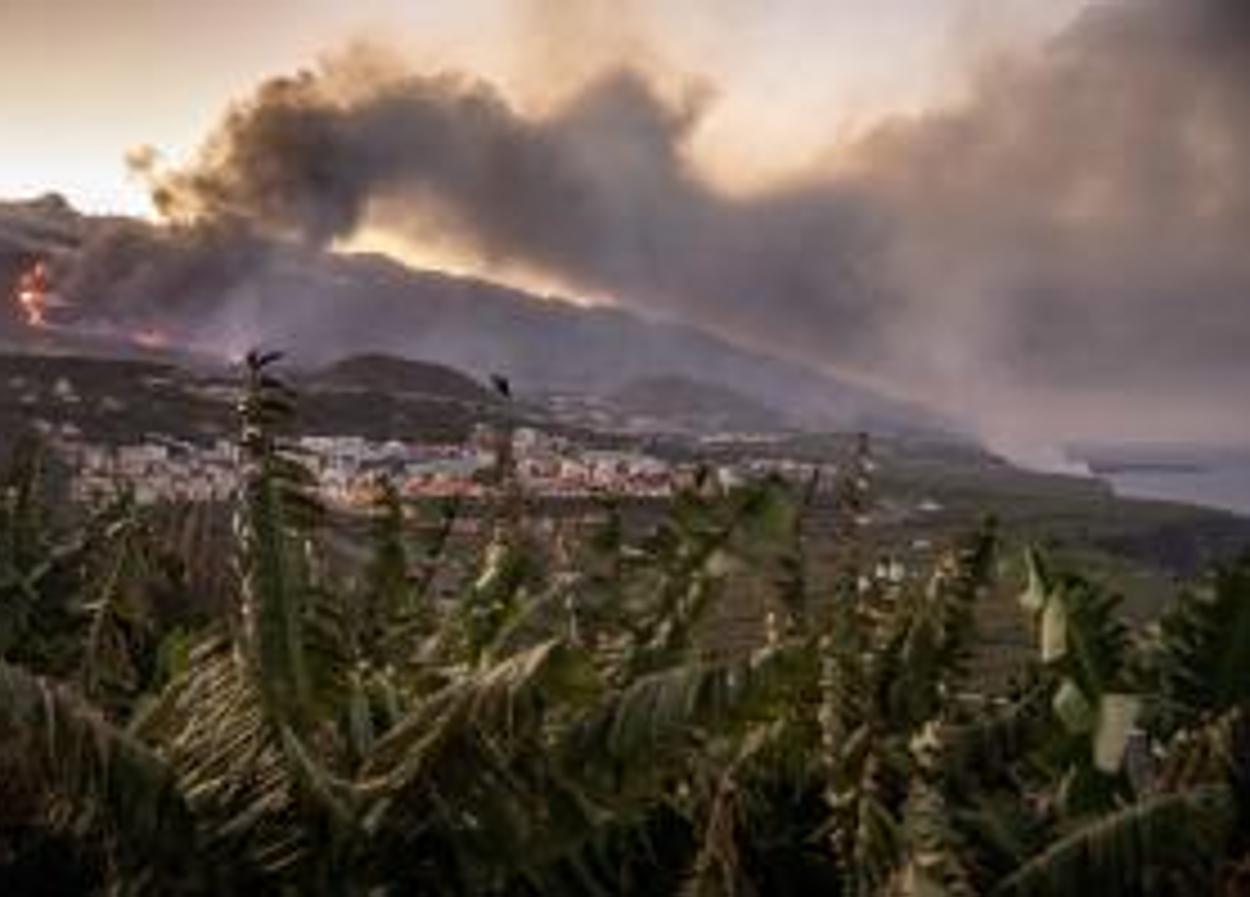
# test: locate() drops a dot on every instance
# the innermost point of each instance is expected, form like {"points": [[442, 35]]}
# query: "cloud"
{"points": [[600, 193], [1076, 224]]}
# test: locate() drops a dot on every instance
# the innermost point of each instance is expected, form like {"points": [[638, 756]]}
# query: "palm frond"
{"points": [[1204, 641], [705, 540], [718, 869], [211, 727], [502, 700], [1167, 844], [120, 628], [640, 724], [277, 512], [937, 860], [93, 778], [472, 765]]}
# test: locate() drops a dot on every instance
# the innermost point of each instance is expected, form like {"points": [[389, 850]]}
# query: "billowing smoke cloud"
{"points": [[1077, 225], [599, 194], [1084, 216], [157, 277]]}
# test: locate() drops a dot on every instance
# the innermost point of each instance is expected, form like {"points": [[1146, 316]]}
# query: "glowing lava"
{"points": [[150, 338], [34, 295]]}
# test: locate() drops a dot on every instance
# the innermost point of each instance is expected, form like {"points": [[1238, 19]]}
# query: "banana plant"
{"points": [[570, 721], [1180, 828]]}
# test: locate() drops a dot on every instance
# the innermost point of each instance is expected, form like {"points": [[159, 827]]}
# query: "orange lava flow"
{"points": [[32, 295], [150, 338]]}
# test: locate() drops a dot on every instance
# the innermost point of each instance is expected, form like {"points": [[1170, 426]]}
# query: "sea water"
{"points": [[1217, 485]]}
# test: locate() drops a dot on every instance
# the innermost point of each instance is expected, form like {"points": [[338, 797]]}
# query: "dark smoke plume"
{"points": [[599, 194], [1079, 223]]}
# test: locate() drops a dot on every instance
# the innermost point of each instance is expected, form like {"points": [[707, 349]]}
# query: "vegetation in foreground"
{"points": [[563, 723]]}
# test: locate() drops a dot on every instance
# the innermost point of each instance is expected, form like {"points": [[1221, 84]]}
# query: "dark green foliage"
{"points": [[37, 568], [78, 774], [1202, 662], [568, 717]]}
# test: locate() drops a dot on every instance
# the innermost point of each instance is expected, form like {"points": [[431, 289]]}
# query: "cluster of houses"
{"points": [[154, 470], [349, 467]]}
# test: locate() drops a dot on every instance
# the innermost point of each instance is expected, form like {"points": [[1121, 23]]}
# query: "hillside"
{"points": [[226, 291], [116, 401], [403, 376], [696, 405]]}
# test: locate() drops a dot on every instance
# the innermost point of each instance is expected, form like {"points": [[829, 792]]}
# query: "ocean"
{"points": [[1222, 486]]}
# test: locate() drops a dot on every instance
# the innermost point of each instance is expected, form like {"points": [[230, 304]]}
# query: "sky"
{"points": [[1028, 214], [87, 81]]}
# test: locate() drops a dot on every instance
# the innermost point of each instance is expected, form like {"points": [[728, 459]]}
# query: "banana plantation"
{"points": [[557, 716]]}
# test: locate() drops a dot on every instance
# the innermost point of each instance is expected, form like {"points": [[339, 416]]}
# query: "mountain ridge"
{"points": [[226, 292]]}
